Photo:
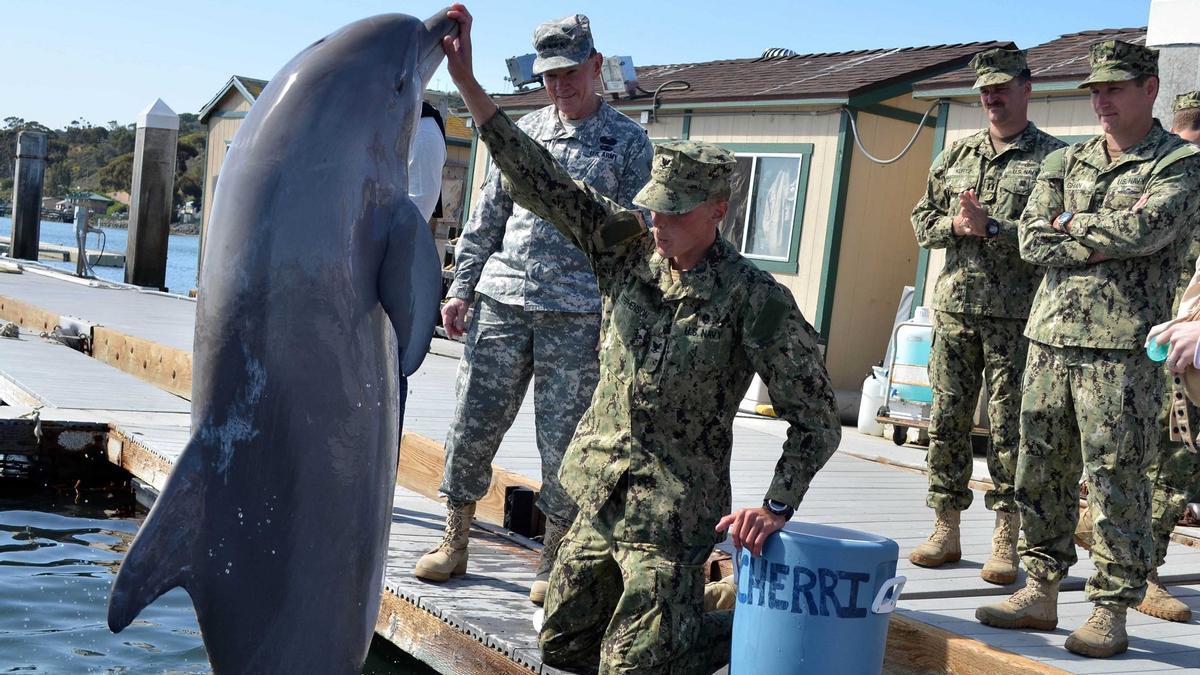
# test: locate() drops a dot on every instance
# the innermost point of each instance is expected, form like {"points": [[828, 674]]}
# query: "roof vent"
{"points": [[777, 53]]}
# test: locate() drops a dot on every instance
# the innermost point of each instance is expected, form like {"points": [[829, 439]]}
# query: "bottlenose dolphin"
{"points": [[318, 298]]}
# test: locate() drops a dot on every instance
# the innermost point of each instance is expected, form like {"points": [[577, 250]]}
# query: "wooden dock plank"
{"points": [[55, 375]]}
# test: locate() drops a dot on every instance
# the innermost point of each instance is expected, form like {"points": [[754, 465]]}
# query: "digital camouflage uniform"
{"points": [[538, 308], [1091, 395], [981, 300], [1175, 473], [649, 463]]}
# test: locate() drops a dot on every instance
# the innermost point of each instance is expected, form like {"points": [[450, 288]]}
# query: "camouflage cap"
{"points": [[685, 174], [1186, 101], [997, 66], [1117, 61], [562, 43]]}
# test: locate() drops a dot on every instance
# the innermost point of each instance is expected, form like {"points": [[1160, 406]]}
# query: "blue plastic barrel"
{"points": [[911, 367], [816, 601]]}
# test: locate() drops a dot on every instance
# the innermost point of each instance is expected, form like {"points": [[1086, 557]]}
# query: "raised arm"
{"points": [[531, 177]]}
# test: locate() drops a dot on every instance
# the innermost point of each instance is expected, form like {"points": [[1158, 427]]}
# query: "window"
{"points": [[766, 203]]}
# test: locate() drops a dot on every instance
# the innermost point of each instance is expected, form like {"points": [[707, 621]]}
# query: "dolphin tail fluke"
{"points": [[162, 554], [410, 281]]}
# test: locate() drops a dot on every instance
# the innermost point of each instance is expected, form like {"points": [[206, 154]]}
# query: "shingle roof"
{"points": [[1064, 59], [803, 76]]}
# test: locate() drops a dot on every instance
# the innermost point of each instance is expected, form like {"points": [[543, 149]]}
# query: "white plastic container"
{"points": [[874, 390]]}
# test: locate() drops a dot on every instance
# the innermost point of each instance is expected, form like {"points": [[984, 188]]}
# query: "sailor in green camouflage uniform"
{"points": [[1110, 240], [687, 321], [1175, 474], [536, 309], [977, 189]]}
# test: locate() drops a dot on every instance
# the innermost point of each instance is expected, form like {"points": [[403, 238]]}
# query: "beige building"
{"points": [[809, 207], [222, 116], [1057, 107]]}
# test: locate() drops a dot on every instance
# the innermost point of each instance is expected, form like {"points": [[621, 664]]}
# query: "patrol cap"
{"points": [[1118, 61], [1186, 101], [685, 174], [997, 66], [562, 43]]}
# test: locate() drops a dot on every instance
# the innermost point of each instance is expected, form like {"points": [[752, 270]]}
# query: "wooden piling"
{"points": [[152, 194], [27, 194]]}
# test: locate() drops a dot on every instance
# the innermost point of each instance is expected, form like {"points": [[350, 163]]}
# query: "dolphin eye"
{"points": [[400, 87]]}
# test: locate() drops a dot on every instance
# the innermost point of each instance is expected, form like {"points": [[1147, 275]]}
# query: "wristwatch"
{"points": [[779, 508], [1064, 218], [993, 227]]}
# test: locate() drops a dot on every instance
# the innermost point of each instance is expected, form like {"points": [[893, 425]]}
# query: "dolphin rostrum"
{"points": [[318, 297]]}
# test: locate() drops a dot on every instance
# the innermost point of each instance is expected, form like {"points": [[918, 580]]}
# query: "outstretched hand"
{"points": [[458, 47], [458, 62]]}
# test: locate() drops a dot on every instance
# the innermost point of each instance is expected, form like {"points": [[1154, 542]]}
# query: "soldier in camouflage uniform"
{"points": [[1110, 240], [537, 312], [977, 189], [687, 321], [1175, 474]]}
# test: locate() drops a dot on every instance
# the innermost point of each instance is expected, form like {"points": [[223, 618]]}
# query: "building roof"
{"points": [[248, 87], [1061, 63], [87, 196], [837, 76]]}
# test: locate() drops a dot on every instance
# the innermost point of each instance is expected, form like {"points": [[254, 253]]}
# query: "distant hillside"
{"points": [[100, 159]]}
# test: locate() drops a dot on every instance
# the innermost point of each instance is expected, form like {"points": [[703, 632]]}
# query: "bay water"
{"points": [[183, 252]]}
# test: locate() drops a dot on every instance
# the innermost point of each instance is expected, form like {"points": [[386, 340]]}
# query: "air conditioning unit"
{"points": [[520, 70], [618, 76]]}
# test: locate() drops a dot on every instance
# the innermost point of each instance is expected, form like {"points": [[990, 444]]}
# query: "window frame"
{"points": [[804, 151]]}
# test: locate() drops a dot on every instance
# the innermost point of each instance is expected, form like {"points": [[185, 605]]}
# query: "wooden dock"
{"points": [[125, 404], [60, 253]]}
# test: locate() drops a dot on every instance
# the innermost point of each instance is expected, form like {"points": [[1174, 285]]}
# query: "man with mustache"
{"points": [[977, 189]]}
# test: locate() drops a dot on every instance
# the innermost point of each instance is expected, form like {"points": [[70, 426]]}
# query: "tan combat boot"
{"points": [[1085, 530], [943, 545], [449, 557], [551, 541], [720, 595], [1160, 604], [1035, 606], [1103, 635], [1001, 567]]}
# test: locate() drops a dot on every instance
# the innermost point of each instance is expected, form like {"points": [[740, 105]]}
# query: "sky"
{"points": [[100, 60]]}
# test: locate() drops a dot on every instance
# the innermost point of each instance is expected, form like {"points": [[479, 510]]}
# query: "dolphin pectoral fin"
{"points": [[410, 286], [162, 554]]}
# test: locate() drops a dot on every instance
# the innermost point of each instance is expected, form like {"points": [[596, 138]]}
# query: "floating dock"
{"points": [[124, 403], [60, 253]]}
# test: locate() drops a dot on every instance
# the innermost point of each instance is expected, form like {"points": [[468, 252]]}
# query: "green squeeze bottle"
{"points": [[1157, 351]]}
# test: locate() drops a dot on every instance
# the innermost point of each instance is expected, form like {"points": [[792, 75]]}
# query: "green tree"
{"points": [[117, 175]]}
